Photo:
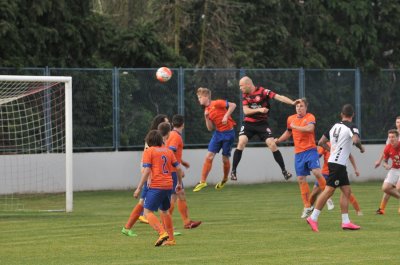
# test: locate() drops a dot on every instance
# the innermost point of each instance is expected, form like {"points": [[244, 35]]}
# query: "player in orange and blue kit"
{"points": [[137, 211], [217, 114], [175, 143], [301, 127], [159, 161]]}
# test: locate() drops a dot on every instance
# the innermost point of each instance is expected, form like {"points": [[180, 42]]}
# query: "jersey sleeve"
{"points": [[174, 161], [173, 143], [221, 104], [311, 119], [269, 93], [354, 130], [146, 159]]}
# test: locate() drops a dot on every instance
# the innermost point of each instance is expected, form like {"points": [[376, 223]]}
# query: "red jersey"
{"points": [[258, 99], [303, 141], [175, 143], [325, 154], [392, 153], [161, 161], [216, 111]]}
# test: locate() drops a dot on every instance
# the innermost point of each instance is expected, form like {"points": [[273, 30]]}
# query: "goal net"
{"points": [[35, 143]]}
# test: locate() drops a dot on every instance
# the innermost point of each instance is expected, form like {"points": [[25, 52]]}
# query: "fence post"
{"points": [[302, 91], [242, 73], [115, 95], [357, 88], [181, 90]]}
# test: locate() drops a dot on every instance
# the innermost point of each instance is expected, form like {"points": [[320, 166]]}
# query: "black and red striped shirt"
{"points": [[258, 99]]}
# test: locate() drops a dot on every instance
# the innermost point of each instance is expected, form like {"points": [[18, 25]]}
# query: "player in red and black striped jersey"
{"points": [[255, 108]]}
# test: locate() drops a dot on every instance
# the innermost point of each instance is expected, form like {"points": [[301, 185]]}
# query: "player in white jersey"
{"points": [[342, 136]]}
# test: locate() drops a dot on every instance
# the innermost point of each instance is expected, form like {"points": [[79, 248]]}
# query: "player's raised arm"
{"points": [[231, 108], [286, 100]]}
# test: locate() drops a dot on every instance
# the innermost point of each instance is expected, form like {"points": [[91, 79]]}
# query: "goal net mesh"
{"points": [[32, 146]]}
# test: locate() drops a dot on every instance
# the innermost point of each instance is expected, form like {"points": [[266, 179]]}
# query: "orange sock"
{"points": [[305, 194], [383, 204], [206, 169], [134, 216], [183, 210], [227, 167], [171, 208], [321, 183], [169, 227], [354, 202], [155, 223]]}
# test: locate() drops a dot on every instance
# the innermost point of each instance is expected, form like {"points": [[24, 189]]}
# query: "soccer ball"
{"points": [[163, 74]]}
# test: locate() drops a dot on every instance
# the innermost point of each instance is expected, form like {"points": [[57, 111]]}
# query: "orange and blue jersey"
{"points": [[216, 112], [161, 161], [303, 141], [175, 143]]}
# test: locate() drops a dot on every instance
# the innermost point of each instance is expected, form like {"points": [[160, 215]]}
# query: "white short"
{"points": [[392, 176]]}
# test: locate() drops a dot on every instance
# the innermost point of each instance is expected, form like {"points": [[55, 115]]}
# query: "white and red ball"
{"points": [[163, 74]]}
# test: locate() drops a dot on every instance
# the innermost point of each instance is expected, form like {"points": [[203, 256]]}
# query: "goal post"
{"points": [[35, 142]]}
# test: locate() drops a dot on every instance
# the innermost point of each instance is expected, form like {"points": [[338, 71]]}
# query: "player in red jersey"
{"points": [[175, 143], [385, 198], [158, 163], [301, 126], [392, 151], [217, 114], [255, 108]]}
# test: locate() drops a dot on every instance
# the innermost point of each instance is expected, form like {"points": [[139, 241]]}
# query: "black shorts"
{"points": [[256, 128], [337, 175]]}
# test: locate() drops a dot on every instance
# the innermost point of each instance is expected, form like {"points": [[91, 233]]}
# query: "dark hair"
{"points": [[394, 131], [164, 128], [157, 120], [177, 120], [154, 138], [348, 110]]}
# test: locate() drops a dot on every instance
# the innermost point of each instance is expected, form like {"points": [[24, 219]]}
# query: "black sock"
{"points": [[237, 155], [279, 159]]}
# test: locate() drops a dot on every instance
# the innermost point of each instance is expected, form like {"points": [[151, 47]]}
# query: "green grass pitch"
{"points": [[242, 224]]}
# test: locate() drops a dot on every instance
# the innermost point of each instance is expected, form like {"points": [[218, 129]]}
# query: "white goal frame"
{"points": [[67, 80]]}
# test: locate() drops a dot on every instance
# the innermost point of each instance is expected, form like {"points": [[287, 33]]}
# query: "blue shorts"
{"points": [[316, 184], [305, 161], [144, 191], [175, 182], [222, 140], [157, 199]]}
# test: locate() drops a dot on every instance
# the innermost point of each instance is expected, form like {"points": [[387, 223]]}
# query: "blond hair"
{"points": [[202, 91]]}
